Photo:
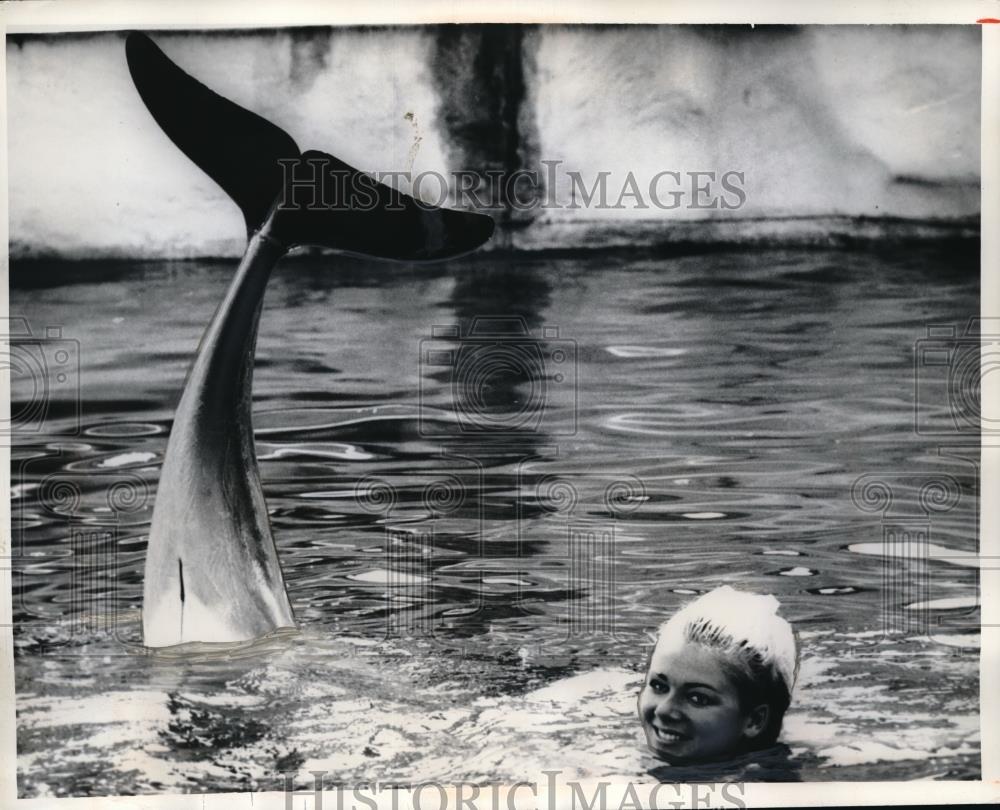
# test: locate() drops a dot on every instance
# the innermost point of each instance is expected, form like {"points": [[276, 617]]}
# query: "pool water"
{"points": [[489, 481]]}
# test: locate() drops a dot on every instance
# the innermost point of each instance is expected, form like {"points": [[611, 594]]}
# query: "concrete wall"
{"points": [[822, 121]]}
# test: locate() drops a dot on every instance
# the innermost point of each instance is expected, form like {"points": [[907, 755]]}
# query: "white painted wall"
{"points": [[822, 121]]}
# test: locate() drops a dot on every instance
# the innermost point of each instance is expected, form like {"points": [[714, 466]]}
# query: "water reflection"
{"points": [[494, 608]]}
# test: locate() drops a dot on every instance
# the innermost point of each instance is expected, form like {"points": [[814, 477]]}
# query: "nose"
{"points": [[669, 707]]}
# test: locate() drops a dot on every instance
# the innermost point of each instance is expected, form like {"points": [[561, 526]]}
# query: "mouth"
{"points": [[668, 737]]}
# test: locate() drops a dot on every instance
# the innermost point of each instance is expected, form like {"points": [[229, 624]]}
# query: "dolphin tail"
{"points": [[314, 198], [212, 571]]}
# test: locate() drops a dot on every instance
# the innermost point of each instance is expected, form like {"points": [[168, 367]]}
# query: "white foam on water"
{"points": [[225, 699], [645, 351], [505, 581], [869, 751], [114, 707], [126, 459], [382, 576], [798, 571], [966, 640], [337, 451], [951, 603], [362, 714], [864, 634], [905, 550], [664, 423], [703, 515], [620, 683]]}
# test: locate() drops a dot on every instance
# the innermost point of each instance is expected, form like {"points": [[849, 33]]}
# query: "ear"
{"points": [[756, 721]]}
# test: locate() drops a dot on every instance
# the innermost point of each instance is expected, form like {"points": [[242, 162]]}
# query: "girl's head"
{"points": [[720, 678]]}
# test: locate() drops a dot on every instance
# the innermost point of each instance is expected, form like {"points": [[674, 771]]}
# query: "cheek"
{"points": [[644, 703], [719, 722]]}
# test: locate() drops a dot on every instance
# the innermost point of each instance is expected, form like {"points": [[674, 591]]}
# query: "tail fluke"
{"points": [[315, 198], [238, 149], [326, 202]]}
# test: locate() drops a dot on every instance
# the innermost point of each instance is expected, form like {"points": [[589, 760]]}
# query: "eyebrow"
{"points": [[692, 685]]}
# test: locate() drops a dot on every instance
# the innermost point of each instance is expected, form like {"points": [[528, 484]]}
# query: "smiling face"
{"points": [[690, 708]]}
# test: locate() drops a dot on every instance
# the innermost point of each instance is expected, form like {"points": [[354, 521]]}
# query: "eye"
{"points": [[658, 686], [700, 699]]}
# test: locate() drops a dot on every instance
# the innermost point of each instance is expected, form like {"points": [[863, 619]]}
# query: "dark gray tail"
{"points": [[315, 199]]}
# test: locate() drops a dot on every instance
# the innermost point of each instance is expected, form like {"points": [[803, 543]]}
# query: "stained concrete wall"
{"points": [[822, 121]]}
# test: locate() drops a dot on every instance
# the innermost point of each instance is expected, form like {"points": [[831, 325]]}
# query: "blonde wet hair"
{"points": [[756, 645]]}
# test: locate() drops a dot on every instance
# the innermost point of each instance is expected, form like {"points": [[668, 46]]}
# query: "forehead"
{"points": [[689, 662]]}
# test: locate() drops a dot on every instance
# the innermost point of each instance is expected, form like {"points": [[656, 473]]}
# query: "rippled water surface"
{"points": [[478, 531]]}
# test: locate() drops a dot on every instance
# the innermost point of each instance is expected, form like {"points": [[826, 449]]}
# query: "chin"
{"points": [[669, 757]]}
